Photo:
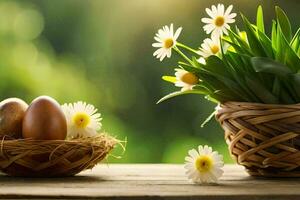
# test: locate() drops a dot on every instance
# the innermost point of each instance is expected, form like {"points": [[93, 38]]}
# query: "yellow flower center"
{"points": [[168, 43], [204, 163], [81, 120], [215, 49], [219, 21], [190, 78]]}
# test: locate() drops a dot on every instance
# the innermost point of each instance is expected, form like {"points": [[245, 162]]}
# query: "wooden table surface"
{"points": [[148, 181]]}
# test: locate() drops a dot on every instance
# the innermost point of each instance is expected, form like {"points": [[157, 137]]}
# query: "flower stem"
{"points": [[187, 48], [183, 55]]}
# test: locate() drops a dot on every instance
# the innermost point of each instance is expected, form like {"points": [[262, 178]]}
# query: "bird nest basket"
{"points": [[264, 138], [53, 158]]}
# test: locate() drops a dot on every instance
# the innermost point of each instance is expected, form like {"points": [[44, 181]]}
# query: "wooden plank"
{"points": [[148, 181]]}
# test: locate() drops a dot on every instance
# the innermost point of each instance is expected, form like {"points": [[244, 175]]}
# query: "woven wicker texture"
{"points": [[262, 137], [53, 158]]}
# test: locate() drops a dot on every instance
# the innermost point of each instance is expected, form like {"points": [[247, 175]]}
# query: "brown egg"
{"points": [[12, 111], [44, 120]]}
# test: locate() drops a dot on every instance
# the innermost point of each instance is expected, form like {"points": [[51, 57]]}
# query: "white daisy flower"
{"points": [[186, 80], [166, 40], [82, 119], [209, 47], [204, 165], [219, 21], [202, 61]]}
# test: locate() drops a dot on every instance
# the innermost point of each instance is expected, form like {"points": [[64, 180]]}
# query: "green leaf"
{"points": [[215, 65], [285, 97], [295, 79], [213, 83], [274, 35], [280, 51], [237, 47], [281, 87], [284, 22], [261, 92], [260, 20], [267, 65], [238, 40], [234, 60], [295, 43], [231, 85], [286, 54], [189, 68], [171, 79], [210, 98], [178, 93], [276, 87], [266, 43], [225, 94], [183, 63], [254, 42]]}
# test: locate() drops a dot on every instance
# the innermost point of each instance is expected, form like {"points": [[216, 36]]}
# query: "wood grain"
{"points": [[148, 181]]}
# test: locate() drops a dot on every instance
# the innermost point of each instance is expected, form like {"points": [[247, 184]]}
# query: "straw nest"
{"points": [[262, 137], [53, 158]]}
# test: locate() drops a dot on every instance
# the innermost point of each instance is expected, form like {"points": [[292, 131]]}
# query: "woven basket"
{"points": [[52, 158], [264, 138]]}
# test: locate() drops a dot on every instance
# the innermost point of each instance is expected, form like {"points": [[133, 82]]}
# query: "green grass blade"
{"points": [[274, 35], [266, 43], [284, 22], [267, 65], [216, 66], [179, 93], [261, 92], [287, 55], [295, 43], [260, 20], [254, 42]]}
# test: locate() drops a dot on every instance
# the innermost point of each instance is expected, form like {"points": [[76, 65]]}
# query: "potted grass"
{"points": [[254, 79]]}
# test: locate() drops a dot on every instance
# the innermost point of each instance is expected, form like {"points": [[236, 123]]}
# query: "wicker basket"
{"points": [[264, 138], [53, 158]]}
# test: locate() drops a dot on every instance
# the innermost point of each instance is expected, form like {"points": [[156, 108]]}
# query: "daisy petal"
{"points": [[82, 120], [207, 20], [157, 45], [177, 33], [166, 40], [204, 165], [228, 10], [220, 17], [210, 12], [193, 153], [221, 9], [232, 15]]}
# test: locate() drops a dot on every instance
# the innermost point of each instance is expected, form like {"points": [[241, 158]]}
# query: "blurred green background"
{"points": [[100, 52]]}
